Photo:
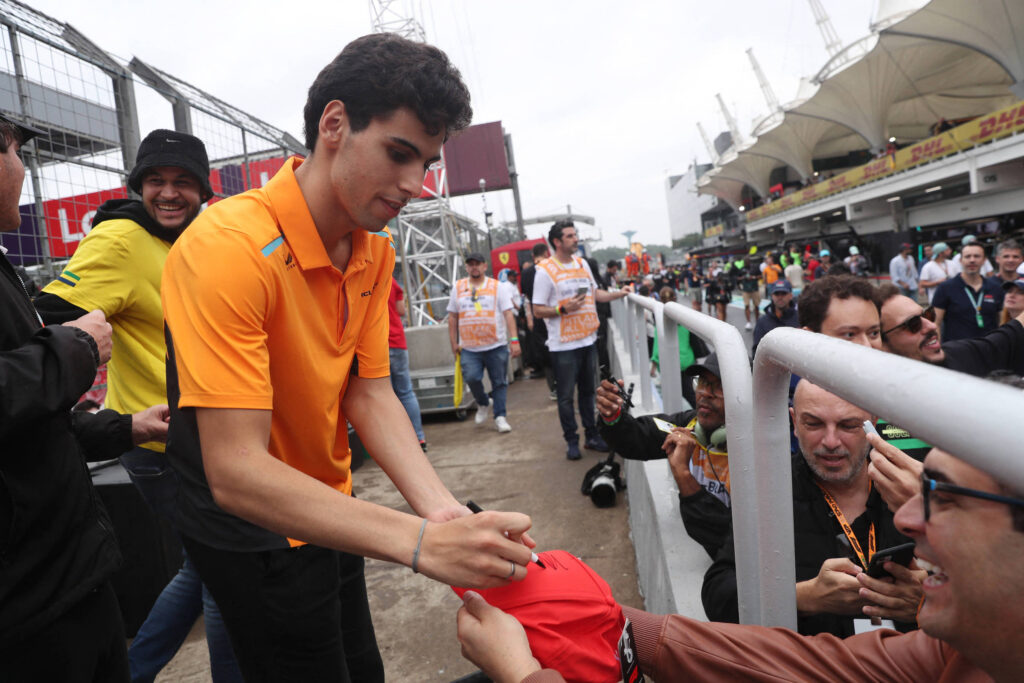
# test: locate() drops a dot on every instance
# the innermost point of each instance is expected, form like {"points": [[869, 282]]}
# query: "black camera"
{"points": [[602, 482]]}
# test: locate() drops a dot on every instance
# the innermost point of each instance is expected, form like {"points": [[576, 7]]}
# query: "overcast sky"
{"points": [[601, 98]]}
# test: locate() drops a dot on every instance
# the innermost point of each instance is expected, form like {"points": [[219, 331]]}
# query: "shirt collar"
{"points": [[298, 228]]}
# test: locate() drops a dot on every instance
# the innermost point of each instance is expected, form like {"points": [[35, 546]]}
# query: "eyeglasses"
{"points": [[913, 323], [703, 385], [929, 485]]}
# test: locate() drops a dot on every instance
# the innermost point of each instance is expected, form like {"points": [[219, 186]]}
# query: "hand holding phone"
{"points": [[900, 554]]}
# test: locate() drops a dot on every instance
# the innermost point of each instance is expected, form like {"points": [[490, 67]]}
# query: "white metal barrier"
{"points": [[927, 401]]}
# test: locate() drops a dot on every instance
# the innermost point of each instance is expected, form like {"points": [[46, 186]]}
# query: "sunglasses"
{"points": [[929, 485], [702, 385], [913, 323]]}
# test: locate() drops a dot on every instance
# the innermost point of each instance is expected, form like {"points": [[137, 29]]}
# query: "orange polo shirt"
{"points": [[258, 318]]}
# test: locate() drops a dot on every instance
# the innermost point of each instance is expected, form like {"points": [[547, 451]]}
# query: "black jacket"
{"points": [[56, 541], [768, 321], [815, 531], [707, 519], [1000, 349]]}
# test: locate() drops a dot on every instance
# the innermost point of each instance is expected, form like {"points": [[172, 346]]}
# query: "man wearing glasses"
{"points": [[910, 331], [694, 441], [969, 531]]}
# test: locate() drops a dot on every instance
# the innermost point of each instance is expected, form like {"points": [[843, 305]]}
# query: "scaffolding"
{"points": [[90, 103], [431, 237]]}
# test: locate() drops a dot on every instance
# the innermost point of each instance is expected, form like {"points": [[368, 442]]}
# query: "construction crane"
{"points": [[707, 143], [766, 87], [737, 138], [828, 33]]}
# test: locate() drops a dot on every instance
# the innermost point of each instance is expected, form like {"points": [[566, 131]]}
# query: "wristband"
{"points": [[561, 311], [514, 339], [416, 553], [615, 419]]}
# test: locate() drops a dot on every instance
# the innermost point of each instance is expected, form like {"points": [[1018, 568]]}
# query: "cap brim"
{"points": [[27, 131]]}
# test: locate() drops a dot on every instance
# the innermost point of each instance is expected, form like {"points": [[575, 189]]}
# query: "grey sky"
{"points": [[601, 98]]}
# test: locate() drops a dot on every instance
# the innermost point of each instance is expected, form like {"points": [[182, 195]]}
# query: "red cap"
{"points": [[571, 619]]}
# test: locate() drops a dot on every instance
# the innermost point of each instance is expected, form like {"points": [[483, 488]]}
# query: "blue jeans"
{"points": [[402, 384], [179, 605], [496, 362], [576, 369]]}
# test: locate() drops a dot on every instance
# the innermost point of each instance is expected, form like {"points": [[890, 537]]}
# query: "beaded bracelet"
{"points": [[614, 420]]}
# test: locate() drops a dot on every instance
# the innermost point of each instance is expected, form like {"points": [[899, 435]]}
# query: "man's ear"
{"points": [[334, 124]]}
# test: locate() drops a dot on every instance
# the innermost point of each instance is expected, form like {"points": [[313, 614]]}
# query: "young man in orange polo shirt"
{"points": [[276, 318]]}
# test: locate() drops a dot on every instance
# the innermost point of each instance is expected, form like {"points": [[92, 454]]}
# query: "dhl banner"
{"points": [[980, 130], [715, 230]]}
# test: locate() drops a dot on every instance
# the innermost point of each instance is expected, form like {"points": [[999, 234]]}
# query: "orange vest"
{"points": [[582, 322], [478, 313]]}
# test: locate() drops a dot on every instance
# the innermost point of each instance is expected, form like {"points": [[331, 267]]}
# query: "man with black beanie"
{"points": [[117, 269]]}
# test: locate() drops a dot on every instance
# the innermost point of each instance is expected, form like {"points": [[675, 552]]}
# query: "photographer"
{"points": [[694, 443]]}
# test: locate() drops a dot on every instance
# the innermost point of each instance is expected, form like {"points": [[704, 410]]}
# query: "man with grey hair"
{"points": [[1009, 256], [832, 499]]}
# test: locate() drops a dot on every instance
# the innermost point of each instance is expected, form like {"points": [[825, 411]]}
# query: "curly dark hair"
{"points": [[815, 299], [555, 233], [379, 73]]}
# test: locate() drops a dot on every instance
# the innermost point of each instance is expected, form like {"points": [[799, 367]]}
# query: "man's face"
{"points": [[12, 175], [976, 558], [782, 299], [927, 252], [710, 401], [853, 319], [475, 269], [377, 170], [830, 434], [924, 345], [567, 245], [972, 258], [171, 196], [1009, 259]]}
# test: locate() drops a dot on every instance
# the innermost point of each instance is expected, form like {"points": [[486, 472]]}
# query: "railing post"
{"points": [[668, 357]]}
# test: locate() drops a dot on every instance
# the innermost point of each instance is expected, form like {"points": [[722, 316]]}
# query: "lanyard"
{"points": [[977, 304], [848, 530]]}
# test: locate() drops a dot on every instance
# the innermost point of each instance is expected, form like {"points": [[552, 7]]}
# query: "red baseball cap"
{"points": [[571, 619]]}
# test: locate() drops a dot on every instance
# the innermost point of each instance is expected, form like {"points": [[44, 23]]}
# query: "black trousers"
{"points": [[295, 614], [86, 644]]}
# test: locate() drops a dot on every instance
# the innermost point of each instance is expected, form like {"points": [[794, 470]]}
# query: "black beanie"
{"points": [[171, 148]]}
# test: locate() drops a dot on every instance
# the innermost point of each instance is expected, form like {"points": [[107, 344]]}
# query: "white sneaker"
{"points": [[749, 326], [503, 425], [482, 412]]}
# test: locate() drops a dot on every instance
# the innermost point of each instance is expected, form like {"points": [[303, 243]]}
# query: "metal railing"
{"points": [[913, 394]]}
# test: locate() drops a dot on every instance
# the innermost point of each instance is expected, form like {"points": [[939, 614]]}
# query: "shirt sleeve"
{"points": [[941, 298], [543, 289], [215, 306], [100, 275], [506, 293], [453, 304]]}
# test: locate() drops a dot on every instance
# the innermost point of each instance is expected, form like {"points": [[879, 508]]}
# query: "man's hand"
{"points": [[151, 424], [835, 590], [455, 349], [679, 447], [95, 323], [575, 303], [456, 511], [608, 400], [897, 598], [517, 349], [896, 474], [477, 551], [494, 641]]}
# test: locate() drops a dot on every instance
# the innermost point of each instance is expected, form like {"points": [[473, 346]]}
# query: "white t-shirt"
{"points": [[795, 275], [494, 305], [933, 271], [545, 294]]}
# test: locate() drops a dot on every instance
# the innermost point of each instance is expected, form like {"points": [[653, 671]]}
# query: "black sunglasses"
{"points": [[913, 323], [929, 485]]}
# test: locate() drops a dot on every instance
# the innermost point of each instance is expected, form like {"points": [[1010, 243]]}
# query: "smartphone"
{"points": [[582, 291], [900, 554]]}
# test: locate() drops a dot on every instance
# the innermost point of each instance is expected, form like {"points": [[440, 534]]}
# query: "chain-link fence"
{"points": [[91, 104]]}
